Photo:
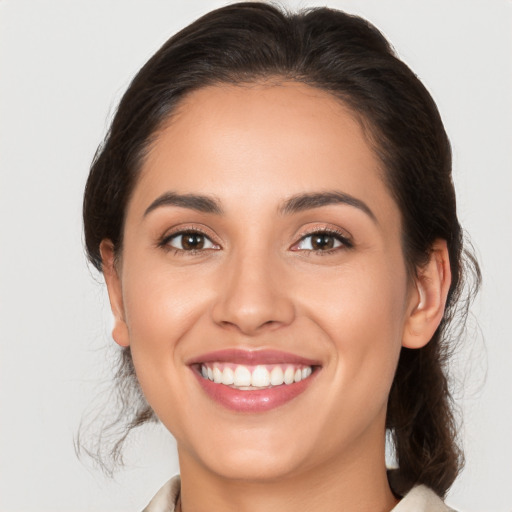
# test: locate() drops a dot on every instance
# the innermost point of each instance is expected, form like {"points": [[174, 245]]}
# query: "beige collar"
{"points": [[418, 499]]}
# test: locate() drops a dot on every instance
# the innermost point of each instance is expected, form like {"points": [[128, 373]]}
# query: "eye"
{"points": [[322, 241], [190, 241]]}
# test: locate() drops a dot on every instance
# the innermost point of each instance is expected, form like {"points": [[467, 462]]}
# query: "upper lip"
{"points": [[252, 357]]}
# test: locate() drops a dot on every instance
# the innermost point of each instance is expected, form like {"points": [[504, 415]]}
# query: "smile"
{"points": [[247, 378], [253, 381]]}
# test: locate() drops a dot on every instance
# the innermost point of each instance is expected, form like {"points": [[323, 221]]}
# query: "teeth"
{"points": [[277, 376], [306, 372], [242, 376], [260, 376], [288, 375], [228, 376], [217, 375]]}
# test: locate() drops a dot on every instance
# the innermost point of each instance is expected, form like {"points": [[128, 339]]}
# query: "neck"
{"points": [[355, 482]]}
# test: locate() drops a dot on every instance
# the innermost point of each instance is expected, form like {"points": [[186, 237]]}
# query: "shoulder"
{"points": [[421, 499], [165, 499]]}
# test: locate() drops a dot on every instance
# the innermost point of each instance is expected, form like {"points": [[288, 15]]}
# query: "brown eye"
{"points": [[323, 241], [190, 241]]}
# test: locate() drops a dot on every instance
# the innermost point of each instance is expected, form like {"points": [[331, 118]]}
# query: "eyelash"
{"points": [[345, 242], [165, 241]]}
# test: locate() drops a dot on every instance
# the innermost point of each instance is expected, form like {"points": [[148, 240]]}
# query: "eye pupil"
{"points": [[322, 241], [191, 241]]}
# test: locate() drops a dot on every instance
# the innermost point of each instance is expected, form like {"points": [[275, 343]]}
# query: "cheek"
{"points": [[365, 296], [162, 306], [161, 310], [162, 302], [362, 311]]}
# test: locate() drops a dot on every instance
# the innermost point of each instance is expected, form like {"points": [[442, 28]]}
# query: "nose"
{"points": [[252, 296]]}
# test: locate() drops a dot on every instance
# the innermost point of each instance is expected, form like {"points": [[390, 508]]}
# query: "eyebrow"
{"points": [[302, 202], [200, 203], [295, 204]]}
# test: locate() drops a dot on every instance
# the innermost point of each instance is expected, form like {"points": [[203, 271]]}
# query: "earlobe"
{"points": [[115, 293], [426, 308]]}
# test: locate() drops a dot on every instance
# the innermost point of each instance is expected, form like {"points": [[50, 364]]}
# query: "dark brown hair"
{"points": [[348, 57]]}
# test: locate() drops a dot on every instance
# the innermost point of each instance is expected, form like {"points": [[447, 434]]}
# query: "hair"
{"points": [[348, 57]]}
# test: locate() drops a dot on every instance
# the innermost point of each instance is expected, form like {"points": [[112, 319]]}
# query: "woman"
{"points": [[275, 219]]}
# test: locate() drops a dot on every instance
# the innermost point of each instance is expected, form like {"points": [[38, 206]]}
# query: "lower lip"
{"points": [[258, 400]]}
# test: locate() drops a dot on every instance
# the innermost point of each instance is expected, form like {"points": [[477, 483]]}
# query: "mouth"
{"points": [[248, 378], [253, 381]]}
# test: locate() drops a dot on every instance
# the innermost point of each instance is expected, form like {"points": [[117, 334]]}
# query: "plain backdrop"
{"points": [[63, 66]]}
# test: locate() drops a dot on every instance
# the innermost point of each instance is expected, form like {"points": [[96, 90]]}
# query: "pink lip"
{"points": [[252, 401], [252, 357]]}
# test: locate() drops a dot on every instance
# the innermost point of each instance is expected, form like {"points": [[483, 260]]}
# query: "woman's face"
{"points": [[262, 247]]}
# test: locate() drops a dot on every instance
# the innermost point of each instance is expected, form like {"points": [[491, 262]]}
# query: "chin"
{"points": [[256, 456], [253, 465]]}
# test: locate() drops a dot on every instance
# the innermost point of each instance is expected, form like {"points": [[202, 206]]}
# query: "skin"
{"points": [[259, 285]]}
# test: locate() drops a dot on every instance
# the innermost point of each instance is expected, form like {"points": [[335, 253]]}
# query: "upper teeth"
{"points": [[249, 377]]}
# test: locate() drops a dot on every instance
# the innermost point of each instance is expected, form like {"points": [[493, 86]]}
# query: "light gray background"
{"points": [[64, 65]]}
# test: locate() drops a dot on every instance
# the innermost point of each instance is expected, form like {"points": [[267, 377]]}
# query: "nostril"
{"points": [[247, 327]]}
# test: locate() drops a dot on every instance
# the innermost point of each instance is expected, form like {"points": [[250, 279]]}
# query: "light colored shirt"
{"points": [[418, 499]]}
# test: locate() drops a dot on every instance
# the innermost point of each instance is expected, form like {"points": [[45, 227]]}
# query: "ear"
{"points": [[115, 293], [428, 301]]}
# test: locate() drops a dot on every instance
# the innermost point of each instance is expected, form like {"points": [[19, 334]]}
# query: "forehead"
{"points": [[261, 142]]}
